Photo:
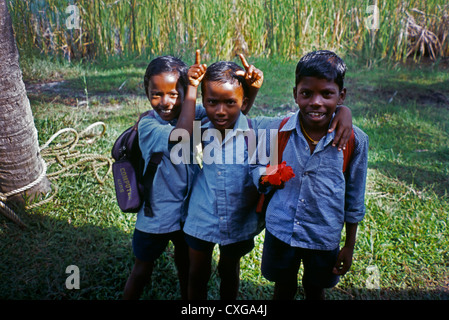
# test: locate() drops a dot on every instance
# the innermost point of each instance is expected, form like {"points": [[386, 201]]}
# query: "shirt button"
{"points": [[219, 173], [302, 200]]}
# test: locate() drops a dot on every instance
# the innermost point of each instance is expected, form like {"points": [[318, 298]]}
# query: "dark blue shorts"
{"points": [[233, 250], [148, 247], [281, 262]]}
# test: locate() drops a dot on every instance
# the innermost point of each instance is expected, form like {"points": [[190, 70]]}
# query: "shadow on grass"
{"points": [[34, 261], [416, 176]]}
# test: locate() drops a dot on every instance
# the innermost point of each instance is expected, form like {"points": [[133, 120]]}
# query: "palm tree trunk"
{"points": [[20, 160]]}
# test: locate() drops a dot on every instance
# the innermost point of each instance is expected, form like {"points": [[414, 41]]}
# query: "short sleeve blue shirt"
{"points": [[222, 204], [171, 184]]}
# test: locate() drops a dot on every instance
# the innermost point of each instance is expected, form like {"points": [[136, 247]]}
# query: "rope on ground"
{"points": [[67, 159]]}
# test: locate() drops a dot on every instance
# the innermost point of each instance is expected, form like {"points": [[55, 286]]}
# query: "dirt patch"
{"points": [[63, 93]]}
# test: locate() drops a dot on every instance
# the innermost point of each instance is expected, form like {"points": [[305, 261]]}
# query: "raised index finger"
{"points": [[244, 62], [197, 57]]}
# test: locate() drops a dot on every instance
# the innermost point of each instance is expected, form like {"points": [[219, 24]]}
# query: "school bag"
{"points": [[131, 186], [283, 137]]}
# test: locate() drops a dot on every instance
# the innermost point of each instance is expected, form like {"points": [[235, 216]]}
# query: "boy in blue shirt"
{"points": [[165, 84], [221, 207], [304, 218]]}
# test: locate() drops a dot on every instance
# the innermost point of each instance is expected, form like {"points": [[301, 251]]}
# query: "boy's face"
{"points": [[317, 100], [166, 95], [223, 102]]}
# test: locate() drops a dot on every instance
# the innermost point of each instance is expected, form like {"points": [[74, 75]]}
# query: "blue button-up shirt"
{"points": [[223, 199], [171, 184], [311, 209]]}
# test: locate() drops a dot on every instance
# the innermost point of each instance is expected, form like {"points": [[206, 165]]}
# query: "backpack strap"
{"points": [[283, 137], [148, 182], [348, 151], [151, 169]]}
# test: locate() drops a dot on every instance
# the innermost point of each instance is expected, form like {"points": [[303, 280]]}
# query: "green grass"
{"points": [[404, 233]]}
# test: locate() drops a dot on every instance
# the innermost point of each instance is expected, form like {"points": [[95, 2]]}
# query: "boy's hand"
{"points": [[197, 71], [344, 261], [343, 123], [253, 76]]}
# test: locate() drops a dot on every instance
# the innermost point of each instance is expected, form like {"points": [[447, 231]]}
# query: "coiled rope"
{"points": [[62, 155]]}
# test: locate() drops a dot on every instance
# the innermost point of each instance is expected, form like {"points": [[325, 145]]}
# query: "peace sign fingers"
{"points": [[253, 76]]}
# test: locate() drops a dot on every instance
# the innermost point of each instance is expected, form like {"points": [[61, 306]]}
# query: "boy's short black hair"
{"points": [[166, 64], [224, 71], [323, 64]]}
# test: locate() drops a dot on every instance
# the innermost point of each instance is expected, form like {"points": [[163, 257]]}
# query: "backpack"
{"points": [[131, 186], [283, 137]]}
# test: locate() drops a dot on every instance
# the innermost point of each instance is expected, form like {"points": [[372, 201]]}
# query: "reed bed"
{"points": [[222, 28]]}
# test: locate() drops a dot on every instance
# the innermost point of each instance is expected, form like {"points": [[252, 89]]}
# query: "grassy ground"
{"points": [[404, 236]]}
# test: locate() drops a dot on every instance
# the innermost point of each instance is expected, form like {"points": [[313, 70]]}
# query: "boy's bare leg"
{"points": [[140, 276], [314, 293], [182, 265], [287, 288], [199, 274], [229, 271]]}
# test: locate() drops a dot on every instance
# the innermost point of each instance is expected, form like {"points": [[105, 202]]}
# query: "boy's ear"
{"points": [[342, 96], [244, 104]]}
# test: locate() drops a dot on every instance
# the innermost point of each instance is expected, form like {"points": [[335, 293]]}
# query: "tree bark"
{"points": [[20, 159]]}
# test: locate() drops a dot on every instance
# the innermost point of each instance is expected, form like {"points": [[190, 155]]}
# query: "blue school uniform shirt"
{"points": [[171, 184], [311, 209], [222, 204]]}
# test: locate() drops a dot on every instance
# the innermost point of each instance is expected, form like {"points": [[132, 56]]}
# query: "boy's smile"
{"points": [[317, 100], [223, 102], [166, 95]]}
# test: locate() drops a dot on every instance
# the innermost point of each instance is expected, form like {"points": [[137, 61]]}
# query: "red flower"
{"points": [[278, 174]]}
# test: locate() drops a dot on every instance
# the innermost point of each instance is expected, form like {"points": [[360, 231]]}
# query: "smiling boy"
{"points": [[305, 218]]}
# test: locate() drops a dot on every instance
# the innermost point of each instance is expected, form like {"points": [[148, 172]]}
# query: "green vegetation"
{"points": [[222, 28], [405, 234]]}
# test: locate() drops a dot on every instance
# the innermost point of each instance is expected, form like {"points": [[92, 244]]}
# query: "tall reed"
{"points": [[222, 28]]}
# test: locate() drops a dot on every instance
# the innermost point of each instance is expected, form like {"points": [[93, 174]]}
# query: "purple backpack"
{"points": [[132, 188]]}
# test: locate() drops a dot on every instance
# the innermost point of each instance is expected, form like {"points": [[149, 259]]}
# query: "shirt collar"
{"points": [[172, 122]]}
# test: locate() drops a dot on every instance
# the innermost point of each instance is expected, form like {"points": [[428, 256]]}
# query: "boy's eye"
{"points": [[230, 102], [305, 94], [327, 94]]}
